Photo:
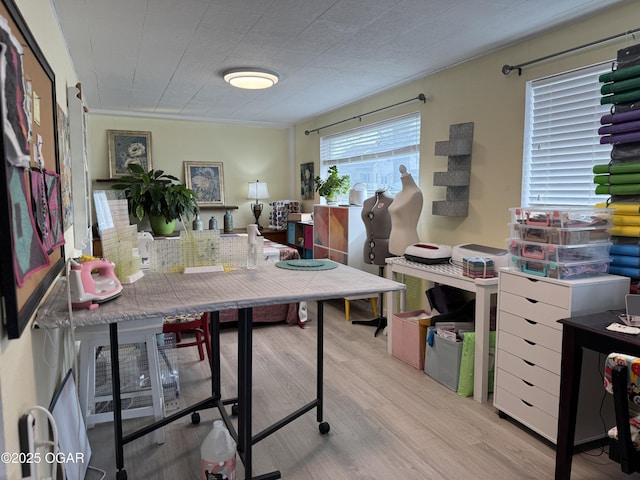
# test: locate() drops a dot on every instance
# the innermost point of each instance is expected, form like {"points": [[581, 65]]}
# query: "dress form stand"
{"points": [[405, 213], [375, 215]]}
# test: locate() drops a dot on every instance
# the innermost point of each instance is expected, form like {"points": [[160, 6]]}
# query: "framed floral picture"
{"points": [[207, 180], [127, 147]]}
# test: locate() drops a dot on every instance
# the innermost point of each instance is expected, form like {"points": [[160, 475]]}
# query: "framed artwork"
{"points": [[306, 181], [127, 147], [207, 180], [32, 255]]}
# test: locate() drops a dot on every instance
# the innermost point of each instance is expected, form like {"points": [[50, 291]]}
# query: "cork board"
{"points": [[31, 253]]}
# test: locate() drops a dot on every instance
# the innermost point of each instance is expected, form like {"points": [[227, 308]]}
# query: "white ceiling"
{"points": [[166, 57]]}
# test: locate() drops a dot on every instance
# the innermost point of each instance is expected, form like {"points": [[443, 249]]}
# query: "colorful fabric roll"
{"points": [[625, 219], [620, 117], [620, 74], [632, 167], [617, 98], [619, 128], [625, 261], [621, 138], [625, 250], [621, 86], [616, 179], [625, 231], [624, 271]]}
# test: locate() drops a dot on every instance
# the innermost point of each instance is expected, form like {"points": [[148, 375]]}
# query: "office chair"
{"points": [[197, 324], [621, 379]]}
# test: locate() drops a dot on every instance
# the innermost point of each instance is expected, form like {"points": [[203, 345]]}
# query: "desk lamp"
{"points": [[257, 190]]}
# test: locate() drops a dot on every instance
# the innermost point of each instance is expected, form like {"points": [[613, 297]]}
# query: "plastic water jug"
{"points": [[218, 454]]}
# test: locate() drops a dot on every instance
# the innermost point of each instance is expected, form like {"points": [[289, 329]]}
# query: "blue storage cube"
{"points": [[442, 360]]}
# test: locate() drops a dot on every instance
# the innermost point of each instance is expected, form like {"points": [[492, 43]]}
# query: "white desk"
{"points": [[448, 274], [161, 294]]}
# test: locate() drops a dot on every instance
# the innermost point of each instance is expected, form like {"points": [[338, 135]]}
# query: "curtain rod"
{"points": [[507, 69], [420, 97]]}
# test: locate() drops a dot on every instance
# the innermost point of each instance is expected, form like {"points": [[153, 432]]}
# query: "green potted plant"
{"points": [[333, 185], [155, 195]]}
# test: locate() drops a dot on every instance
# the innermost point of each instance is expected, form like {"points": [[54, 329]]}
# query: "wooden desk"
{"points": [[277, 236], [588, 331], [163, 294], [447, 274]]}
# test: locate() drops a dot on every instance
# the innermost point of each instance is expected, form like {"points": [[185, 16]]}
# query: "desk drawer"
{"points": [[541, 377], [538, 333], [532, 353], [535, 310], [535, 289], [528, 392], [526, 413]]}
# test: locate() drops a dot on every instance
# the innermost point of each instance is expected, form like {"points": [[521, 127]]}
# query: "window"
{"points": [[373, 154], [561, 141]]}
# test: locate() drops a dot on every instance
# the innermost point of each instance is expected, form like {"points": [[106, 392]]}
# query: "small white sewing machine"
{"points": [[428, 253], [92, 282]]}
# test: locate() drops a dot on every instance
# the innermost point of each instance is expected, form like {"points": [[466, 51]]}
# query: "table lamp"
{"points": [[257, 190]]}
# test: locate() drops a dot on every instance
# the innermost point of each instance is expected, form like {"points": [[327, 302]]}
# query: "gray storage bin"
{"points": [[442, 360]]}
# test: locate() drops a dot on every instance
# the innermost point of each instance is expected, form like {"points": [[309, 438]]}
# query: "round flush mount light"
{"points": [[251, 78]]}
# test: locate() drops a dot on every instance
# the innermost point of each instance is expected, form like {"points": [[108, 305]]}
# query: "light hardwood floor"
{"points": [[388, 420]]}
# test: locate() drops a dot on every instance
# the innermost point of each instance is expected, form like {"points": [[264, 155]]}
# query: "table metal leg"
{"points": [[320, 370], [570, 370], [117, 402]]}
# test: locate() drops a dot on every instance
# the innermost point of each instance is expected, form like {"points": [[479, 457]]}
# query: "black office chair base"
{"points": [[379, 323]]}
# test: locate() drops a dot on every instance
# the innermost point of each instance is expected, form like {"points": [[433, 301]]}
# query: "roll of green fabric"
{"points": [[624, 85], [626, 189], [618, 98], [620, 74], [633, 167], [618, 179]]}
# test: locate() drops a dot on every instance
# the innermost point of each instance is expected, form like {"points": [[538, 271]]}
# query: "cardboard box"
{"points": [[442, 361], [409, 337], [299, 217]]}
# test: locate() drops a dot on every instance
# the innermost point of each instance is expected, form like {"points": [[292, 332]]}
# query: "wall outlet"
{"points": [[27, 429]]}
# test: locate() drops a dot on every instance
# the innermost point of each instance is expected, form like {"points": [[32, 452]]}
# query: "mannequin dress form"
{"points": [[405, 212], [377, 222]]}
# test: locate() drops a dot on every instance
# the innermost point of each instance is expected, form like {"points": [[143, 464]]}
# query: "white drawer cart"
{"points": [[528, 349]]}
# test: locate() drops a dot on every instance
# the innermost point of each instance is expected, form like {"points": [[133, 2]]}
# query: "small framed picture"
{"points": [[207, 180], [126, 147]]}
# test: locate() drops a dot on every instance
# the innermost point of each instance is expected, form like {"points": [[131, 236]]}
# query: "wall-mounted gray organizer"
{"points": [[458, 174]]}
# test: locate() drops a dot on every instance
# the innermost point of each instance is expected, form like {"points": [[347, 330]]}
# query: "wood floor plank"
{"points": [[388, 420]]}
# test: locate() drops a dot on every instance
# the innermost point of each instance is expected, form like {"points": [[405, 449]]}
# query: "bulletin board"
{"points": [[31, 231]]}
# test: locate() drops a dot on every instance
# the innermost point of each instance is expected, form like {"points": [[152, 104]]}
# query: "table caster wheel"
{"points": [[501, 414], [121, 475], [195, 418], [234, 409], [324, 427]]}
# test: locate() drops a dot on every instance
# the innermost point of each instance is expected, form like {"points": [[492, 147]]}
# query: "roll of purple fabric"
{"points": [[620, 128], [621, 117], [621, 138]]}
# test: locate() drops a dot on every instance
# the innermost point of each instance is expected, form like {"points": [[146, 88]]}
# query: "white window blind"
{"points": [[373, 154], [561, 141]]}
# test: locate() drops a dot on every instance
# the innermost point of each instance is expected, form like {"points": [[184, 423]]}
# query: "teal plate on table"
{"points": [[307, 264]]}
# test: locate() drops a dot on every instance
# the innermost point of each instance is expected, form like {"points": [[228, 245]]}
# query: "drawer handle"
{"points": [[529, 341], [531, 300], [530, 321], [528, 383], [531, 364], [527, 403], [533, 280]]}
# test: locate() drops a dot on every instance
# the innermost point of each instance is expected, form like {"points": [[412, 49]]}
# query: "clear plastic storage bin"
{"points": [[559, 235], [559, 270], [558, 253], [561, 217]]}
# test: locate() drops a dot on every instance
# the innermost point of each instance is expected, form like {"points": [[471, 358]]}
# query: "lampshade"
{"points": [[258, 190], [250, 78]]}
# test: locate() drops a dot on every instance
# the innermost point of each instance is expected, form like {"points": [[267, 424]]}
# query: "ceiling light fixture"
{"points": [[251, 78]]}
